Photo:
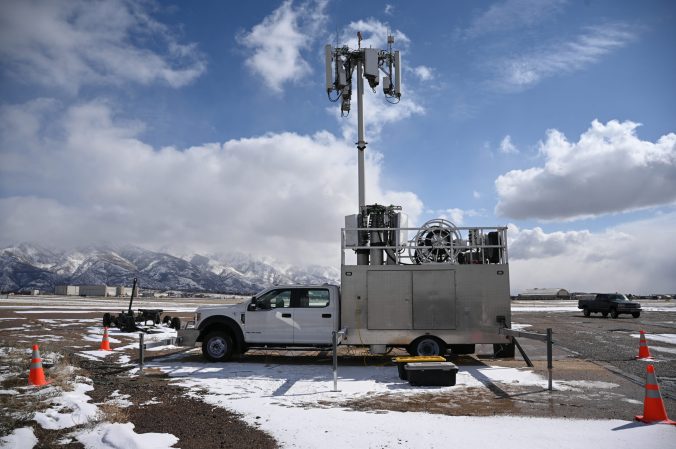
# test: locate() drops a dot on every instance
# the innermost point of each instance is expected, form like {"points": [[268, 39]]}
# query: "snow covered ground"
{"points": [[296, 405]]}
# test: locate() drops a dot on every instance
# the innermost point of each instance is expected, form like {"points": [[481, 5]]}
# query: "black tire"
{"points": [[217, 346], [175, 323], [605, 314], [166, 319], [156, 319], [613, 313], [427, 346], [107, 319], [636, 314], [586, 311]]}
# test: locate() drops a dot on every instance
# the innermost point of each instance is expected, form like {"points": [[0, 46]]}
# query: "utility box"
{"points": [[431, 374], [371, 63]]}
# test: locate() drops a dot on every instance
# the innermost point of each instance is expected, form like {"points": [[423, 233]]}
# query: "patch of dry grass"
{"points": [[17, 410], [111, 412]]}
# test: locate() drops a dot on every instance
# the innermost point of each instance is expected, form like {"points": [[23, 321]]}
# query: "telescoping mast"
{"points": [[447, 287]]}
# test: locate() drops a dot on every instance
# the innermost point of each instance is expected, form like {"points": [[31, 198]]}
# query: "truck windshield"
{"points": [[618, 297]]}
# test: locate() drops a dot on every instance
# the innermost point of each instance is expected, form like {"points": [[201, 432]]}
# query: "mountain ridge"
{"points": [[28, 266]]}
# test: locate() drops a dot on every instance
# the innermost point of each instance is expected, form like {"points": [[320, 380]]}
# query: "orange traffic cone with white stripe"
{"points": [[653, 406], [105, 343], [643, 351], [37, 374]]}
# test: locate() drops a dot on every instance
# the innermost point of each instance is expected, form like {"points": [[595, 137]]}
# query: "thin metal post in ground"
{"points": [[550, 365], [140, 352], [334, 340]]}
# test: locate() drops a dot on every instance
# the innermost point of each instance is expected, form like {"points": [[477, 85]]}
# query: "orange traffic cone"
{"points": [[643, 351], [653, 406], [37, 375], [105, 343]]}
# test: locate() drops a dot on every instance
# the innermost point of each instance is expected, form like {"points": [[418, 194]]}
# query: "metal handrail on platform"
{"points": [[471, 242]]}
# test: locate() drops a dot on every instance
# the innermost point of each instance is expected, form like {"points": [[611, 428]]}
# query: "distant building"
{"points": [[95, 290], [545, 293], [123, 291], [67, 290]]}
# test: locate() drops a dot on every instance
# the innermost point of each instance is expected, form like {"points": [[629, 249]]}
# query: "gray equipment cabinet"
{"points": [[457, 303]]}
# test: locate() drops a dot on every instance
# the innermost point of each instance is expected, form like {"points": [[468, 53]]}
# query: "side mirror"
{"points": [[251, 307]]}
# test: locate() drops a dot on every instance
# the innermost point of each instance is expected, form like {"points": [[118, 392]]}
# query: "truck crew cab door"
{"points": [[271, 321], [314, 315]]}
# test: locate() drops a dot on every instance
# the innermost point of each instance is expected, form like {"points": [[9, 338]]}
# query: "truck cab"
{"points": [[290, 316]]}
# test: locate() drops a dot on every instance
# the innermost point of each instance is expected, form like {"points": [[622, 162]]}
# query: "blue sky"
{"points": [[205, 127]]}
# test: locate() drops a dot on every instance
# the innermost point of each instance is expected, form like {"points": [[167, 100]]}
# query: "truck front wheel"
{"points": [[586, 311], [427, 346], [636, 314], [613, 313], [217, 346]]}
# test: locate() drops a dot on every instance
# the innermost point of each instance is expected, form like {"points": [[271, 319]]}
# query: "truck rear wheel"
{"points": [[586, 311], [427, 346], [217, 346]]}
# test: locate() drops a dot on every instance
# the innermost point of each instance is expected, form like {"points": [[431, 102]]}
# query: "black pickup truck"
{"points": [[613, 303]]}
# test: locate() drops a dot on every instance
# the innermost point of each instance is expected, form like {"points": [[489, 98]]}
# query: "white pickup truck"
{"points": [[281, 316]]}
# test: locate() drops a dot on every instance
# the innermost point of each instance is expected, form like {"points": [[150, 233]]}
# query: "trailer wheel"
{"points": [[217, 346], [175, 323], [166, 319], [586, 311], [613, 313], [636, 314], [427, 346], [107, 319]]}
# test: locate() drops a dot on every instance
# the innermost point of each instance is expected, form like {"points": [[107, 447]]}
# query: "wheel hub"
{"points": [[216, 347]]}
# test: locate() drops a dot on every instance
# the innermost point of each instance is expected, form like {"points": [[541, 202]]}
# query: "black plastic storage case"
{"points": [[431, 374]]}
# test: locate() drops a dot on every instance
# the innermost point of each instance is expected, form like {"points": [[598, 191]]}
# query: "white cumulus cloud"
{"points": [[79, 175], [506, 145], [609, 169], [634, 257], [423, 72], [279, 42], [71, 43]]}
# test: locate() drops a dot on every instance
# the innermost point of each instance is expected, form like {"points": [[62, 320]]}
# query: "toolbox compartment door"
{"points": [[389, 299], [434, 299]]}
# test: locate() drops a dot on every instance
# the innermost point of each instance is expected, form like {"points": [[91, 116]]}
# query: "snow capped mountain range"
{"points": [[28, 266]]}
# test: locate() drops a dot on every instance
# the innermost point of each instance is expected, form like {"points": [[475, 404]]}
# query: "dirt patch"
{"points": [[577, 398], [161, 407]]}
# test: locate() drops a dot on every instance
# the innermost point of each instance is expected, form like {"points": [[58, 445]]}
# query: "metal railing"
{"points": [[435, 244]]}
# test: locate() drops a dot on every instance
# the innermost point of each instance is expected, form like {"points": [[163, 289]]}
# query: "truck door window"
{"points": [[317, 298], [276, 299]]}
